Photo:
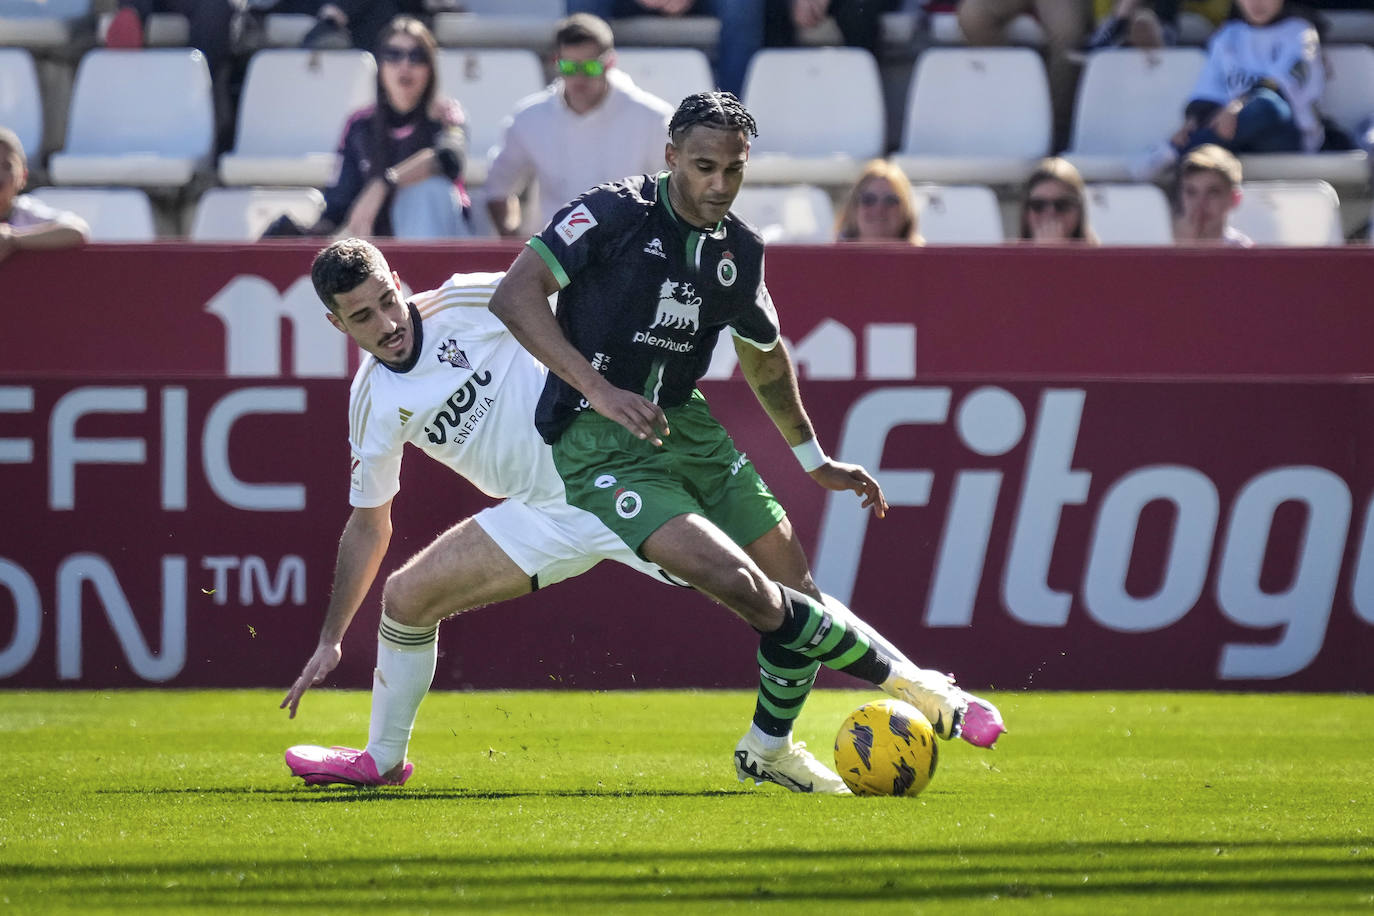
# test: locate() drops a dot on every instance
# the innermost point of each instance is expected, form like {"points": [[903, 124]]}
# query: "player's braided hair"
{"points": [[343, 266], [720, 110]]}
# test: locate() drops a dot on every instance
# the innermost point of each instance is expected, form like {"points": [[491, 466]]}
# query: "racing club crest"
{"points": [[449, 353]]}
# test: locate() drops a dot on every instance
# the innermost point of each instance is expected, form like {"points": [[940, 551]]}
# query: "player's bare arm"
{"points": [[365, 538], [774, 379], [521, 302]]}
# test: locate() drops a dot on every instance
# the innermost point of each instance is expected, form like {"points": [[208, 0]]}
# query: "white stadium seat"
{"points": [[113, 214], [143, 117], [975, 115], [21, 104], [672, 74], [792, 213], [701, 32], [1348, 100], [1304, 213], [958, 214], [241, 214], [1129, 100], [1349, 26], [42, 24], [487, 82], [1130, 214], [500, 23], [787, 89], [292, 113]]}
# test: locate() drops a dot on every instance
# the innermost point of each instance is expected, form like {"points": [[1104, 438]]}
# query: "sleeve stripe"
{"points": [[550, 261]]}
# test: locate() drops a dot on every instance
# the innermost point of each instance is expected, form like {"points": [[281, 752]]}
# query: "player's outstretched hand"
{"points": [[325, 659], [838, 475], [636, 413]]}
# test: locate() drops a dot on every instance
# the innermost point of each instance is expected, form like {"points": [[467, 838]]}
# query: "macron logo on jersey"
{"points": [[575, 224]]}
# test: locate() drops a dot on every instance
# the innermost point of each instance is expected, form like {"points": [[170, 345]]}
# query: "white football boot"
{"points": [[793, 767], [952, 712]]}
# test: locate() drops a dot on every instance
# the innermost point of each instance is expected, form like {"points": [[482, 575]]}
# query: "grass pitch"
{"points": [[571, 802]]}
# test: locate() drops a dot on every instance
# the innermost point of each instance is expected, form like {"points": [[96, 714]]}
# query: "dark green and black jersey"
{"points": [[645, 295]]}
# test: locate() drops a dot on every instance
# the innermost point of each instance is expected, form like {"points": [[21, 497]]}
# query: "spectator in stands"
{"points": [[859, 21], [879, 208], [741, 28], [1208, 190], [984, 22], [401, 159], [1258, 92], [26, 223], [592, 125], [1053, 207]]}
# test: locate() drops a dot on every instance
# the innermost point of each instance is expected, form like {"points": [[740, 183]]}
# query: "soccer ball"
{"points": [[886, 748]]}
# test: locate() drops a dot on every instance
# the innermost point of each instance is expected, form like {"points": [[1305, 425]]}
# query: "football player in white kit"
{"points": [[448, 378]]}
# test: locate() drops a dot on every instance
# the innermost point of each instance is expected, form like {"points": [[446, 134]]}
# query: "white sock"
{"points": [[769, 742], [406, 658]]}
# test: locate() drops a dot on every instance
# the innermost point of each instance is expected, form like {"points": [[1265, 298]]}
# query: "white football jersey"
{"points": [[468, 402]]}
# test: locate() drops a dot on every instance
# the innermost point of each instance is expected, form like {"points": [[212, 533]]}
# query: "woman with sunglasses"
{"points": [[402, 158], [1052, 205], [879, 208]]}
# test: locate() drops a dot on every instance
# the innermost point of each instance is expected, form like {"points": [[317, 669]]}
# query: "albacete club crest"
{"points": [[451, 354]]}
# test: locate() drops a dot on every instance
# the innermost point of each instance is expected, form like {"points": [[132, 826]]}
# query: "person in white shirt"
{"points": [[26, 222], [1208, 190], [591, 125], [1259, 91]]}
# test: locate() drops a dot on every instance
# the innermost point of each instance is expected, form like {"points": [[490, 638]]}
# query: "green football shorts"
{"points": [[634, 486]]}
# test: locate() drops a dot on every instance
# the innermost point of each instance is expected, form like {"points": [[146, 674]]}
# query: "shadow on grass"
{"points": [[1302, 874], [341, 793]]}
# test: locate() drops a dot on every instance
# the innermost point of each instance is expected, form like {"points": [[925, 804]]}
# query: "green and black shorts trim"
{"points": [[634, 486]]}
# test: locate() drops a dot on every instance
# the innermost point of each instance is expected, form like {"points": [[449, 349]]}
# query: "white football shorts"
{"points": [[555, 541]]}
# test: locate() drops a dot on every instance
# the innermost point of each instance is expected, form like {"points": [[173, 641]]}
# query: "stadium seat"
{"points": [[1349, 26], [487, 82], [114, 214], [1130, 214], [1306, 213], [143, 117], [50, 25], [292, 113], [286, 30], [975, 115], [701, 32], [526, 24], [241, 214], [1348, 100], [672, 74], [786, 88], [958, 214], [793, 213], [1129, 100], [21, 104]]}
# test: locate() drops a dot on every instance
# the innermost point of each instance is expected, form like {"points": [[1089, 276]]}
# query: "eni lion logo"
{"points": [[679, 307]]}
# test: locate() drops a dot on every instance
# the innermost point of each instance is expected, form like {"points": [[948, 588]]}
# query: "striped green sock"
{"points": [[785, 681], [811, 630]]}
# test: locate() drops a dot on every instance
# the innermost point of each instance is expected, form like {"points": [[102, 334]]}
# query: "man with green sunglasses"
{"points": [[592, 124]]}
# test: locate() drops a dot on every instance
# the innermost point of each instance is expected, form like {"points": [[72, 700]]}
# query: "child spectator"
{"points": [[1208, 190], [1258, 92]]}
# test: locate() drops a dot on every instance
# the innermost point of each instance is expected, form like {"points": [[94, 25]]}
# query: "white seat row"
{"points": [[972, 115], [1271, 213]]}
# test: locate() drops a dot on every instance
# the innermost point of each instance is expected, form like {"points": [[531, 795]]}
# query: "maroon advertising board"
{"points": [[1124, 469]]}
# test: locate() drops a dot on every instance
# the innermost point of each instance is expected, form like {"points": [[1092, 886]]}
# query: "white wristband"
{"points": [[810, 455]]}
